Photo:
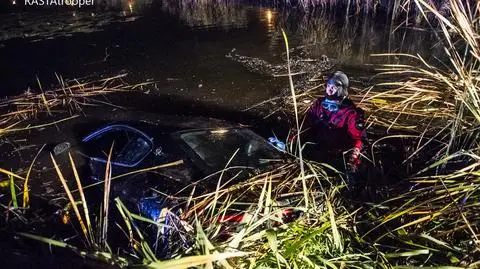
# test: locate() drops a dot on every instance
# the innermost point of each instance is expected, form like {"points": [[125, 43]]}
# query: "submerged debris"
{"points": [[298, 65]]}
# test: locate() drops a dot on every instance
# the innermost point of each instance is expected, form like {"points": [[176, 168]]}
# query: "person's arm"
{"points": [[356, 130], [312, 116]]}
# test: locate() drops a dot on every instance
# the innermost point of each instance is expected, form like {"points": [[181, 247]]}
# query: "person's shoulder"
{"points": [[359, 110], [348, 103], [352, 107]]}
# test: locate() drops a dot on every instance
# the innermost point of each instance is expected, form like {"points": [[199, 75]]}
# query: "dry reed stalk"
{"points": [[70, 198], [106, 199], [71, 96], [26, 196], [82, 197]]}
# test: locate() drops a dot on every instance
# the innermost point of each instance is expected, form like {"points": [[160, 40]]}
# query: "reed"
{"points": [[106, 199], [297, 121], [18, 111], [320, 238], [13, 193], [435, 209], [86, 213], [26, 195], [72, 202], [431, 217]]}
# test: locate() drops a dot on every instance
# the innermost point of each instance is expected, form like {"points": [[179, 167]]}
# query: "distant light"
{"points": [[92, 14], [74, 14], [130, 6], [219, 131], [269, 15], [14, 2]]}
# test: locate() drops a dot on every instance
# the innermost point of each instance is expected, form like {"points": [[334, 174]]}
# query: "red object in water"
{"points": [[231, 218]]}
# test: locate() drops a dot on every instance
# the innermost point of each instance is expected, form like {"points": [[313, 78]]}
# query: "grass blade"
{"points": [[292, 91], [188, 262], [106, 198], [47, 240], [82, 197], [8, 173], [13, 193], [70, 197], [408, 254], [335, 232], [26, 196]]}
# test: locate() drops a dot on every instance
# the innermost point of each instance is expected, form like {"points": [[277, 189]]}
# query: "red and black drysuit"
{"points": [[335, 132]]}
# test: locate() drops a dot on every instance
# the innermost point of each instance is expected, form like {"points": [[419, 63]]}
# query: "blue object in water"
{"points": [[277, 143], [150, 208]]}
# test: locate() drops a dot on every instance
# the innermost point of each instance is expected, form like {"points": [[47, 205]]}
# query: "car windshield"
{"points": [[217, 147]]}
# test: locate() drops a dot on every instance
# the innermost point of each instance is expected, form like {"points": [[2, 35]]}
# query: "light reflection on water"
{"points": [[268, 16], [351, 39], [207, 14]]}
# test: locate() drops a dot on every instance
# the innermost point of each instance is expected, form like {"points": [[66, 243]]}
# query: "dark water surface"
{"points": [[182, 47]]}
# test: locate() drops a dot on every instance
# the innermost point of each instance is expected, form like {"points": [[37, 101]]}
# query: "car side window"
{"points": [[129, 145]]}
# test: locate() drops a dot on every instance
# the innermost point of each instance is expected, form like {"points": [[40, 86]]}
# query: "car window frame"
{"points": [[127, 128]]}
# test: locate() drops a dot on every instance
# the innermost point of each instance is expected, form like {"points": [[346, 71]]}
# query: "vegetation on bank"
{"points": [[430, 219]]}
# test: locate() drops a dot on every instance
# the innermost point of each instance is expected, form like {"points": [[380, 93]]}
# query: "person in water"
{"points": [[335, 125]]}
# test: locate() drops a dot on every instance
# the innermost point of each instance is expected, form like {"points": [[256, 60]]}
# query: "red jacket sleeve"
{"points": [[356, 128]]}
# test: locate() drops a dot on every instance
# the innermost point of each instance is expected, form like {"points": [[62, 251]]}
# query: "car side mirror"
{"points": [[61, 148]]}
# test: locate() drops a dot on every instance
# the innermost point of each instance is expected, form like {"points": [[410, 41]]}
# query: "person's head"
{"points": [[336, 91], [337, 86]]}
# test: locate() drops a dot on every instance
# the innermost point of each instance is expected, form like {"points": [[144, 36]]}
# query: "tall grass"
{"points": [[297, 121], [72, 202], [432, 217], [320, 237], [95, 234], [436, 210]]}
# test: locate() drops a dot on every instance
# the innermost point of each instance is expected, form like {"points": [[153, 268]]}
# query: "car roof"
{"points": [[154, 125]]}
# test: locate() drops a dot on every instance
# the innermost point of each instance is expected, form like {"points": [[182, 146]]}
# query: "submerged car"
{"points": [[204, 147]]}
